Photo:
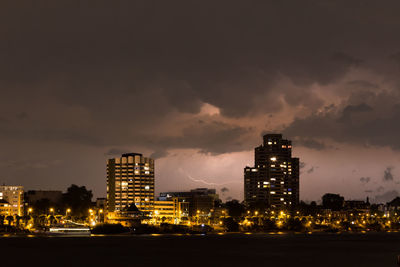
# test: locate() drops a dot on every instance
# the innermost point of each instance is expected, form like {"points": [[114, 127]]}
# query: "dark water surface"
{"points": [[358, 250]]}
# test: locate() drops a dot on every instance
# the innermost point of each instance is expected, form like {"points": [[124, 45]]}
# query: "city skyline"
{"points": [[195, 86]]}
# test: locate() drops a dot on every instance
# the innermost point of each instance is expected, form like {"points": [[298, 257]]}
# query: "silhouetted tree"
{"points": [[26, 219], [231, 225], [17, 220], [294, 224], [268, 225], [9, 219], [2, 220], [42, 206], [235, 208], [78, 199], [52, 220]]}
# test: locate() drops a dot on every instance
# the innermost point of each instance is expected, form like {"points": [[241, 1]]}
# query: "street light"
{"points": [[52, 210]]}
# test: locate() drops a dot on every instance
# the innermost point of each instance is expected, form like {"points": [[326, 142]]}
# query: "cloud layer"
{"points": [[96, 79]]}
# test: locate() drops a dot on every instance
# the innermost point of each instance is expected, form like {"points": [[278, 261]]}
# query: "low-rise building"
{"points": [[14, 195], [171, 210], [196, 202]]}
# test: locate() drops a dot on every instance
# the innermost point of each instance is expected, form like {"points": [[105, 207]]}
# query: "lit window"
{"points": [[282, 199], [270, 143], [282, 182], [273, 158], [272, 192], [273, 179], [147, 187]]}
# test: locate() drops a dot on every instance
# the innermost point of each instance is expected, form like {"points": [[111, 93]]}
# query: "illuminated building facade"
{"points": [[12, 200], [274, 180], [172, 210], [201, 200], [130, 180]]}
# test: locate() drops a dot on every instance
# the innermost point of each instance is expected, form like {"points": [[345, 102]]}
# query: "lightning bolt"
{"points": [[205, 182]]}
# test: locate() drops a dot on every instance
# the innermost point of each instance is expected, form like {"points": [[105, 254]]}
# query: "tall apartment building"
{"points": [[274, 180], [130, 180], [12, 199]]}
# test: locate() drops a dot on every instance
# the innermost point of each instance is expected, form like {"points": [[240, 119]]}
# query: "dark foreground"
{"points": [[373, 249]]}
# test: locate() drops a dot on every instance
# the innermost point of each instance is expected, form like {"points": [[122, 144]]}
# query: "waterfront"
{"points": [[317, 249]]}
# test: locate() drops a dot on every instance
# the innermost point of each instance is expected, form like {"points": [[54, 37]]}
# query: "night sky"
{"points": [[195, 84]]}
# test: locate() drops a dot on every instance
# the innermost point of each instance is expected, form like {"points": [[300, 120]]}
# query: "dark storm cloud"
{"points": [[116, 152], [302, 164], [135, 63], [386, 197], [102, 76], [362, 84], [349, 110], [311, 170], [387, 175], [22, 115], [310, 143], [365, 180], [224, 190], [159, 154], [380, 189], [365, 118], [213, 137]]}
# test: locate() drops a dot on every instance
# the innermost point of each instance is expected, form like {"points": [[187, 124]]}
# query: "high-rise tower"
{"points": [[274, 180], [130, 180]]}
